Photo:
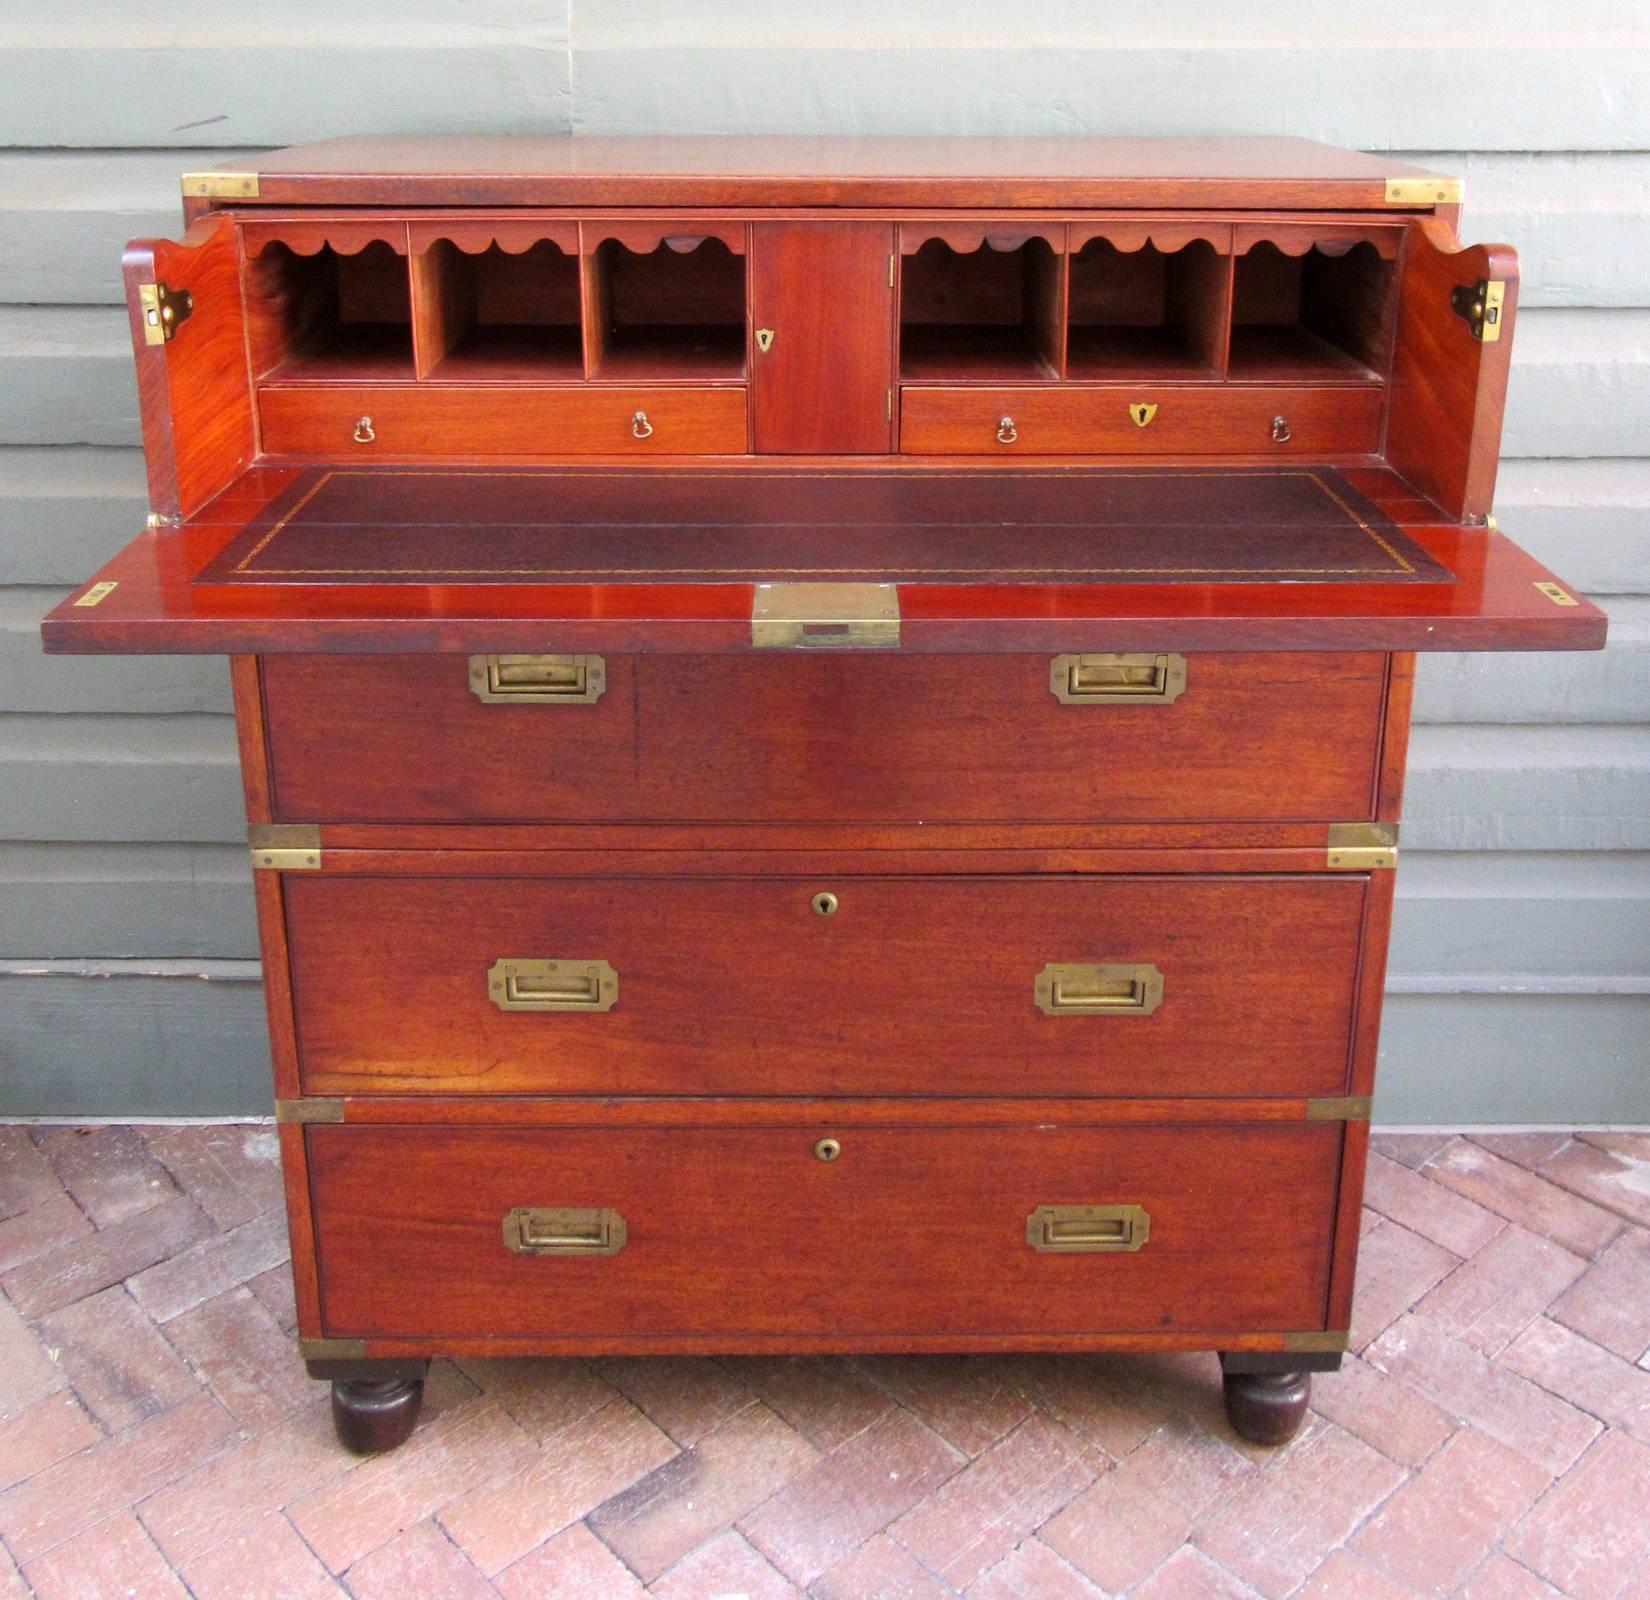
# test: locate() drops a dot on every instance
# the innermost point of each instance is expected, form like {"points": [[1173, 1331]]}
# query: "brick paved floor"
{"points": [[1490, 1437]]}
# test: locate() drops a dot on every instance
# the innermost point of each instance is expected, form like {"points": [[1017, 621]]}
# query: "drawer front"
{"points": [[915, 1231], [438, 420], [1210, 986], [836, 738], [1183, 420]]}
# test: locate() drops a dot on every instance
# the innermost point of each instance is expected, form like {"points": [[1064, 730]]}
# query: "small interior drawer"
{"points": [[1142, 419], [439, 421], [564, 1234]]}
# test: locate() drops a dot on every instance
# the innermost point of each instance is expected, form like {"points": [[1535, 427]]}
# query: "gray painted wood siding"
{"points": [[1520, 978]]}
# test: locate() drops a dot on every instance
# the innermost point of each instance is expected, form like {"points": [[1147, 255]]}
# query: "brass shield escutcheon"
{"points": [[764, 339], [1142, 412]]}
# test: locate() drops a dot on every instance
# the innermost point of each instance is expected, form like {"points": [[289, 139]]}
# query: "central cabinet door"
{"points": [[822, 307]]}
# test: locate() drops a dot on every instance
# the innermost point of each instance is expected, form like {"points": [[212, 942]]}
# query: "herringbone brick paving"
{"points": [[1488, 1439]]}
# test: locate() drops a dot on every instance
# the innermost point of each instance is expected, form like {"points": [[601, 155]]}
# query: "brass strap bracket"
{"points": [[1345, 1108], [825, 616], [163, 310], [1479, 304], [1361, 846], [314, 1108], [286, 846], [220, 185], [1414, 191]]}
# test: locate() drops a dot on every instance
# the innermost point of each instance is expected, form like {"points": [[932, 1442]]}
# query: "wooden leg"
{"points": [[374, 1403], [1267, 1407]]}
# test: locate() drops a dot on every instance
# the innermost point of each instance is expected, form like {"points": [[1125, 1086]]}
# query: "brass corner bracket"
{"points": [[286, 846], [220, 186], [1333, 1341], [309, 1108], [1424, 191], [332, 1349], [1361, 846]]}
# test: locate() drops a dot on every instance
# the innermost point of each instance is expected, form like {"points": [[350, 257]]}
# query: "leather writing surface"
{"points": [[606, 525]]}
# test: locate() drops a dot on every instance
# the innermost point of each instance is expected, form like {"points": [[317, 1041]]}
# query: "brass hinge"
{"points": [[1318, 1341], [891, 260], [310, 1108], [1556, 592], [1346, 1108], [220, 186], [163, 309], [286, 846], [99, 592], [156, 520], [1361, 846], [825, 616], [889, 406], [1479, 305], [332, 1349], [1423, 191]]}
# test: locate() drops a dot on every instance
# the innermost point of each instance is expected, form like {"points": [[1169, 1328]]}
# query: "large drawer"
{"points": [[1182, 420], [432, 421], [733, 1232], [832, 738], [1211, 985]]}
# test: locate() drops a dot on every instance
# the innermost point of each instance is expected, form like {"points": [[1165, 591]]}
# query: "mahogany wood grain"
{"points": [[455, 422], [826, 291], [912, 986], [300, 1216], [1395, 735], [1449, 389], [721, 171], [1494, 604], [247, 689], [1322, 422], [910, 1232], [193, 401], [860, 736]]}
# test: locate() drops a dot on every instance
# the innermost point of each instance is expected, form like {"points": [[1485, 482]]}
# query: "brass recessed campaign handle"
{"points": [[563, 1231], [1152, 678], [1098, 989], [538, 680], [518, 985], [1075, 1230]]}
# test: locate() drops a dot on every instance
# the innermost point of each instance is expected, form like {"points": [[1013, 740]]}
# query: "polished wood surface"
{"points": [[443, 398], [778, 170], [733, 1232], [858, 737], [1317, 424], [825, 292], [911, 986]]}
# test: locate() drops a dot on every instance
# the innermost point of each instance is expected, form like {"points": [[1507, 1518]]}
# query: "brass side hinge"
{"points": [[1361, 846], [815, 616], [220, 186], [286, 846], [99, 592], [163, 309], [1318, 1341], [1479, 305], [332, 1349], [1556, 592], [156, 520], [310, 1108], [1344, 1108], [1423, 191]]}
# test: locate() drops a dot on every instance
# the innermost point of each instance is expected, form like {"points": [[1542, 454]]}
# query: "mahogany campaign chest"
{"points": [[823, 722]]}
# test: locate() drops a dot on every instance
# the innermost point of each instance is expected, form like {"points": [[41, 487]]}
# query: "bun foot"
{"points": [[372, 1415], [1267, 1407]]}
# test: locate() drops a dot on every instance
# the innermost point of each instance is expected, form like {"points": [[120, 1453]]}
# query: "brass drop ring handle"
{"points": [[1280, 430], [640, 426], [363, 430], [1007, 433]]}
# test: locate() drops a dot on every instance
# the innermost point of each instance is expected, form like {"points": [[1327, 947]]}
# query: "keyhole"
{"points": [[825, 903]]}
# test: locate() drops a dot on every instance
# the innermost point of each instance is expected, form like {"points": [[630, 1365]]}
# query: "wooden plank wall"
{"points": [[1521, 962]]}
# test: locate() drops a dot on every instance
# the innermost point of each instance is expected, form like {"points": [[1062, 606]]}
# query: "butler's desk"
{"points": [[823, 722]]}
